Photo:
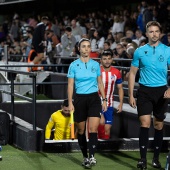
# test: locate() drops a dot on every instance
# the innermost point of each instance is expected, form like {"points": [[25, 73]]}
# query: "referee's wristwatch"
{"points": [[105, 99]]}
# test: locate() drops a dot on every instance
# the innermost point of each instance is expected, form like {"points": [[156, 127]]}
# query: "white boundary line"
{"points": [[121, 139]]}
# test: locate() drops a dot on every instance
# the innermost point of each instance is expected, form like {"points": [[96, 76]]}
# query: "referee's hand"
{"points": [[132, 102], [167, 93]]}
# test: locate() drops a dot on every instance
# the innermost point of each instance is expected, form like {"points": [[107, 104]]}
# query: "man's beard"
{"points": [[106, 66], [155, 40]]}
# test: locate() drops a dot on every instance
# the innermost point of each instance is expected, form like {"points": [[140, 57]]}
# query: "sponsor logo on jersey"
{"points": [[108, 121]]}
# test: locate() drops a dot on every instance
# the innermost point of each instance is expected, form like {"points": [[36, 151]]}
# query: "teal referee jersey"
{"points": [[85, 76], [152, 62]]}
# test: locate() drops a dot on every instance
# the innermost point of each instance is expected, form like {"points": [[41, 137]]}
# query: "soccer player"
{"points": [[111, 77]]}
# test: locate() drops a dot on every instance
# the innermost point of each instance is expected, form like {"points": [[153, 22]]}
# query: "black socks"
{"points": [[92, 144], [83, 144], [158, 138], [143, 141]]}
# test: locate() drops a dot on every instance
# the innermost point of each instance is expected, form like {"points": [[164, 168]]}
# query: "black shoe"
{"points": [[142, 164], [156, 163], [86, 163]]}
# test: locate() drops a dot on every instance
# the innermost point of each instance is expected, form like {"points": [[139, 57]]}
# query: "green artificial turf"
{"points": [[39, 96], [15, 159]]}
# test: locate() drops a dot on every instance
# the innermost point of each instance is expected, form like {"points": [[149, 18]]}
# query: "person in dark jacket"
{"points": [[38, 41]]}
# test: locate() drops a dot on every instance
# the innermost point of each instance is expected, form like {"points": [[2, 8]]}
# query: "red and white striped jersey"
{"points": [[110, 79]]}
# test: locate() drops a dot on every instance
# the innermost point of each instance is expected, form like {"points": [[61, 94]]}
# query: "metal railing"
{"points": [[13, 94]]}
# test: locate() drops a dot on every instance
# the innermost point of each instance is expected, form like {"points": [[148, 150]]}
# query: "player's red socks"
{"points": [[101, 132], [106, 136]]}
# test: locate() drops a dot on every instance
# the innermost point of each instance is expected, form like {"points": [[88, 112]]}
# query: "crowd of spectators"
{"points": [[121, 32]]}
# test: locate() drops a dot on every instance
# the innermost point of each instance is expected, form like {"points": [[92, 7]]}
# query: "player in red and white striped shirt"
{"points": [[111, 77]]}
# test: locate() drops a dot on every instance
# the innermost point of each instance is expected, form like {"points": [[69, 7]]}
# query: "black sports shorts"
{"points": [[150, 99], [39, 48], [87, 105]]}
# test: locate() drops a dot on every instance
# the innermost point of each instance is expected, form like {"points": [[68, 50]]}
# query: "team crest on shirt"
{"points": [[112, 77], [93, 70], [161, 58]]}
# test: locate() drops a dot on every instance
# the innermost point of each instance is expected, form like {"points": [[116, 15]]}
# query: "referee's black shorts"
{"points": [[150, 99], [86, 105]]}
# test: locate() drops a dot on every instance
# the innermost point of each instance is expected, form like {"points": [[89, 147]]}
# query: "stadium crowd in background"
{"points": [[125, 27]]}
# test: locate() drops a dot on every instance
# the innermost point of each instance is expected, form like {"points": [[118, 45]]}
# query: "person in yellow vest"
{"points": [[61, 121]]}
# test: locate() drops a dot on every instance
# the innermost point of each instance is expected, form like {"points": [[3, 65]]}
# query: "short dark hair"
{"points": [[106, 53], [65, 103], [69, 29], [83, 39], [49, 31], [144, 41], [107, 42], [128, 40]]}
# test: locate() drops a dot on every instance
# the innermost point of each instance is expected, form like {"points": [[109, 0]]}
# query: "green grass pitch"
{"points": [[16, 159]]}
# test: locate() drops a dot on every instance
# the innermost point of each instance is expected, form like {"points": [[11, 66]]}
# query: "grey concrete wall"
{"points": [[125, 124]]}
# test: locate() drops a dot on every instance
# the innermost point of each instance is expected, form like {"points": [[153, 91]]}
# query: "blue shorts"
{"points": [[108, 115]]}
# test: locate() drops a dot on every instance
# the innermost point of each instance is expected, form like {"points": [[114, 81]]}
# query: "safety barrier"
{"points": [[13, 94]]}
